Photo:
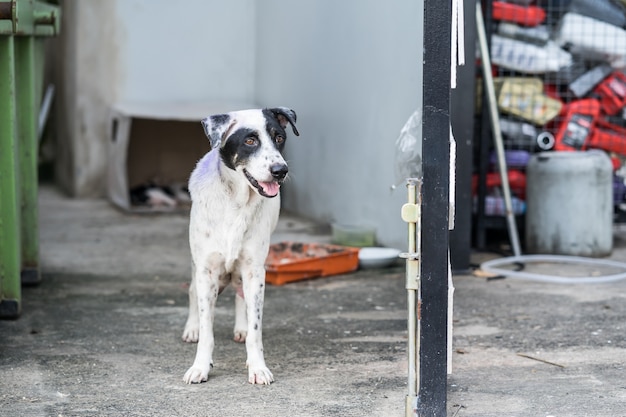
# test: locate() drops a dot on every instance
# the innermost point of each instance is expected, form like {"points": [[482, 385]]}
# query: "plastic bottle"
{"points": [[602, 10], [518, 134], [577, 125], [523, 15], [598, 41], [539, 35], [612, 92], [522, 135], [586, 82], [526, 57], [609, 137]]}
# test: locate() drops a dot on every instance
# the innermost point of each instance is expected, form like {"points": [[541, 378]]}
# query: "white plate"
{"points": [[377, 257]]}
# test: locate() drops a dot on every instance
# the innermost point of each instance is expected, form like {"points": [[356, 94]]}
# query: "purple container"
{"points": [[619, 190], [514, 159]]}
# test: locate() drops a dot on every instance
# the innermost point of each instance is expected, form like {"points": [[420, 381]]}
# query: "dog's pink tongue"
{"points": [[270, 188]]}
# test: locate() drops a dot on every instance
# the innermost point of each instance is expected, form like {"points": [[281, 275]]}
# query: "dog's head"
{"points": [[251, 142]]}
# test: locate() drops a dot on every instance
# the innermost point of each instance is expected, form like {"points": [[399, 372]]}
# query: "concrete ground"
{"points": [[101, 335]]}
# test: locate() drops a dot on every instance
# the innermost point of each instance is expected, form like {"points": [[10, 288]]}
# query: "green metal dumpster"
{"points": [[22, 25]]}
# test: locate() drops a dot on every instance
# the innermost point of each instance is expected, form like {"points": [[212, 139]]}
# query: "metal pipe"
{"points": [[411, 215], [45, 17], [44, 111], [418, 290], [10, 238], [7, 10], [497, 133], [412, 321]]}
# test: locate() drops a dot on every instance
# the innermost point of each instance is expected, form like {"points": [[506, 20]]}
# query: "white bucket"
{"points": [[570, 204]]}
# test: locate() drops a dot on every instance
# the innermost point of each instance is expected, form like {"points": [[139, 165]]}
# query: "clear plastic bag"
{"points": [[408, 158]]}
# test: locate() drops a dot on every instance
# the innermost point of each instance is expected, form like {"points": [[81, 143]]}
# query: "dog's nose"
{"points": [[279, 171]]}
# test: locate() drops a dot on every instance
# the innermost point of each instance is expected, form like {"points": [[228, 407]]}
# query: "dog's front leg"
{"points": [[206, 280], [241, 320], [190, 334], [254, 292]]}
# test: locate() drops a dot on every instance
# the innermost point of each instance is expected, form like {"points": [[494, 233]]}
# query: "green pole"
{"points": [[10, 289], [26, 103], [21, 72]]}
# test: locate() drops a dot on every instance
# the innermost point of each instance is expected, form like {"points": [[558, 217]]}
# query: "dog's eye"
{"points": [[279, 139], [250, 141]]}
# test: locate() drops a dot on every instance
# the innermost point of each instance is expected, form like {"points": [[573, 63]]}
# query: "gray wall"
{"points": [[352, 71], [192, 50], [86, 79], [142, 51]]}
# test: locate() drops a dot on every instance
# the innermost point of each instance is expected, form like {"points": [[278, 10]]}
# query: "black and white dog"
{"points": [[235, 206]]}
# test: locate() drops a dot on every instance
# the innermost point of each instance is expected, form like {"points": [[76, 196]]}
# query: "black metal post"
{"points": [[433, 313], [462, 109]]}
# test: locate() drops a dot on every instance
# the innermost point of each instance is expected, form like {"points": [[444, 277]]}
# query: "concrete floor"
{"points": [[101, 335]]}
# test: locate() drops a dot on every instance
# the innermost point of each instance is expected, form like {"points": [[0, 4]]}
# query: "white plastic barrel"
{"points": [[569, 204]]}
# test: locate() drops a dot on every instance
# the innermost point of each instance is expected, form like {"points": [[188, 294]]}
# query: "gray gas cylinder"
{"points": [[569, 203]]}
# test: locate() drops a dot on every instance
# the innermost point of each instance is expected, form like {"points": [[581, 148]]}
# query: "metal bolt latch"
{"points": [[8, 11], [29, 18]]}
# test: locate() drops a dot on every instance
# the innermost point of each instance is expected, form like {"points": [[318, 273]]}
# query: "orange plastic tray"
{"points": [[294, 261]]}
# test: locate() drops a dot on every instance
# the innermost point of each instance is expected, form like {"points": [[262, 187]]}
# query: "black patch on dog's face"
{"points": [[243, 143], [237, 149], [275, 130]]}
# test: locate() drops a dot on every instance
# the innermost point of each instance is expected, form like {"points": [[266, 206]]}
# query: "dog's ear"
{"points": [[216, 127], [284, 116]]}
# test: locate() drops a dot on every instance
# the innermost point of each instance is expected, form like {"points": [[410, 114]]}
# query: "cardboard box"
{"points": [[156, 142]]}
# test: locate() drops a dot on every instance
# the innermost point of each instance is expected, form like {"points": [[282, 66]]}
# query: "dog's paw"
{"points": [[190, 334], [260, 375], [196, 375], [240, 336]]}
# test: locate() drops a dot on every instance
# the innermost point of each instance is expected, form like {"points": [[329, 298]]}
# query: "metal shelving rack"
{"points": [[560, 85]]}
